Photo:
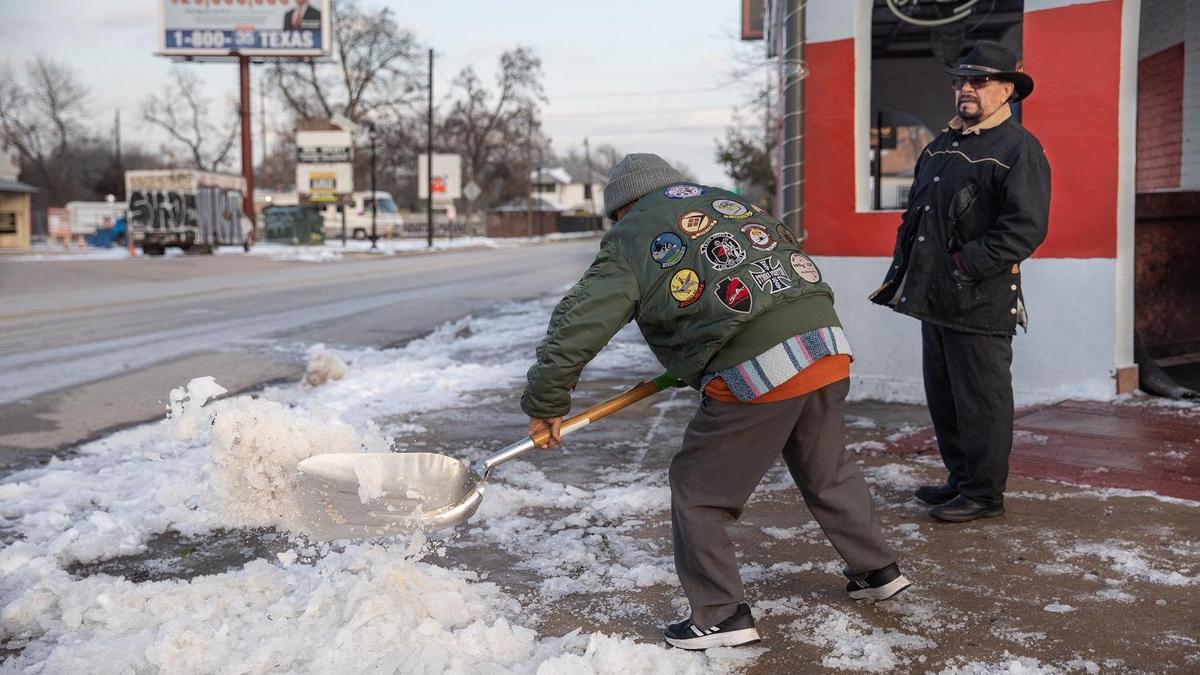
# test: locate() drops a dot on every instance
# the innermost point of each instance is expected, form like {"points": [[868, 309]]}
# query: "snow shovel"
{"points": [[354, 494]]}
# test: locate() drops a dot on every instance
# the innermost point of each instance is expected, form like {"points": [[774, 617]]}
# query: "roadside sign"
{"points": [[471, 191]]}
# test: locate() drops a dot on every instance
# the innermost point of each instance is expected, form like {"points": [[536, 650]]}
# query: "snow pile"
{"points": [[323, 366], [369, 608], [186, 403], [256, 446]]}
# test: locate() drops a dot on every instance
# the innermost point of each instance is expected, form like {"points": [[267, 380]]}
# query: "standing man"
{"points": [[730, 305], [979, 205]]}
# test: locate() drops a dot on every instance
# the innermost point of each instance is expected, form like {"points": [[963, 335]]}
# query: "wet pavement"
{"points": [[1072, 577]]}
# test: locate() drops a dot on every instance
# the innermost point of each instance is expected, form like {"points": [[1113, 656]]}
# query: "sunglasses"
{"points": [[976, 83]]}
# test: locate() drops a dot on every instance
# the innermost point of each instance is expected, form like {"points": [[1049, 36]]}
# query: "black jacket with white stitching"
{"points": [[978, 206]]}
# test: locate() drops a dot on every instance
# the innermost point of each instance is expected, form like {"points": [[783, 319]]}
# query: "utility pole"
{"points": [[374, 195], [791, 165], [587, 185], [247, 146], [529, 174], [262, 115], [429, 157], [117, 154]]}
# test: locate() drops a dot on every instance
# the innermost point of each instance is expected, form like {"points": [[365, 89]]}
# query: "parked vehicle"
{"points": [[388, 221], [194, 210]]}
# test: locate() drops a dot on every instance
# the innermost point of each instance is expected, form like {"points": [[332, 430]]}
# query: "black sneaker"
{"points": [[936, 494], [878, 585], [735, 631]]}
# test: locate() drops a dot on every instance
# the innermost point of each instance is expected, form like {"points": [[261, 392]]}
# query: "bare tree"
{"points": [[43, 120], [377, 69], [182, 111], [748, 150], [497, 133]]}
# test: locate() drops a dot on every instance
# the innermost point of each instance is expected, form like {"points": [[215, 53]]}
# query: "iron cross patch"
{"points": [[770, 276]]}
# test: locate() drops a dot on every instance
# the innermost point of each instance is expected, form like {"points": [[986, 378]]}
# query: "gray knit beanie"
{"points": [[636, 176]]}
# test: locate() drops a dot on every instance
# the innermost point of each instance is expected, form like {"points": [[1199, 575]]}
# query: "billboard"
{"points": [[252, 27], [447, 177]]}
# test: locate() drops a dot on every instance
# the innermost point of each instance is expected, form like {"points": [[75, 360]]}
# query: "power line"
{"points": [[648, 92]]}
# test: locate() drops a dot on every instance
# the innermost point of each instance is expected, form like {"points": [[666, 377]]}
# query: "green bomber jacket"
{"points": [[710, 279]]}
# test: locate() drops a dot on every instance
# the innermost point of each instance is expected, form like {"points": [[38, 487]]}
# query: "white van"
{"points": [[388, 221]]}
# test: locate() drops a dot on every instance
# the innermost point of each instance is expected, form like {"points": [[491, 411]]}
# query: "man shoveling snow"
{"points": [[728, 303]]}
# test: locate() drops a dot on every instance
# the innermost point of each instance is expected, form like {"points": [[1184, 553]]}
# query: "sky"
{"points": [[643, 76]]}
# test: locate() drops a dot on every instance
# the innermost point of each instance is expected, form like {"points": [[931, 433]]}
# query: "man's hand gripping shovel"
{"points": [[347, 495]]}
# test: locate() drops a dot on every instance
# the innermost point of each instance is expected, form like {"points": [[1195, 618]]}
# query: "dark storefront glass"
{"points": [[911, 99]]}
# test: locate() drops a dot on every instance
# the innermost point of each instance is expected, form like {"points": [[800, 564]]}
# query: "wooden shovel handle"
{"points": [[612, 405]]}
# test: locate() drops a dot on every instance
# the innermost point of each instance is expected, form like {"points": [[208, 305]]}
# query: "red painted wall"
{"points": [[1074, 56], [1160, 119]]}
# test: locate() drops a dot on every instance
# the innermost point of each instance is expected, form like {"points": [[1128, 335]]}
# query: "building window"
{"points": [[911, 98]]}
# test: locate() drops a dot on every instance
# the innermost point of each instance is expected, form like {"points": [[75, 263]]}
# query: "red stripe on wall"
{"points": [[830, 221], [1074, 56]]}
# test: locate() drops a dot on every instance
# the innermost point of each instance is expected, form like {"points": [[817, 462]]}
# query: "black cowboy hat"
{"points": [[995, 60]]}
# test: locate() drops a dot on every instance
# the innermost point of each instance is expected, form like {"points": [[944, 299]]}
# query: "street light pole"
{"points": [[429, 158]]}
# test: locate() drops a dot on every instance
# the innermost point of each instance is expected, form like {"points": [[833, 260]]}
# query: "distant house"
{"points": [[16, 212], [572, 194]]}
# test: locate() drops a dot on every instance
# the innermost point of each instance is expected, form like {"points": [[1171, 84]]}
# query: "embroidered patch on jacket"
{"points": [[770, 276], [683, 191], [805, 268], [667, 249], [686, 287], [723, 251], [759, 236], [758, 209], [731, 209], [785, 233], [696, 223], [735, 294]]}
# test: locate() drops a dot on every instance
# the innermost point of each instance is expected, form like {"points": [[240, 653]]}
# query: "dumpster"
{"points": [[298, 225]]}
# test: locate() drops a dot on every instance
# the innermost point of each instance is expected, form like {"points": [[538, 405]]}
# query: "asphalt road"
{"points": [[91, 346]]}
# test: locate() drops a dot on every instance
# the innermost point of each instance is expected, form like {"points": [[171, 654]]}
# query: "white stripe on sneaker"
{"points": [[735, 638]]}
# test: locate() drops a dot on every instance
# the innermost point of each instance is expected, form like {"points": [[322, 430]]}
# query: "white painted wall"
{"points": [[1162, 26], [1068, 352]]}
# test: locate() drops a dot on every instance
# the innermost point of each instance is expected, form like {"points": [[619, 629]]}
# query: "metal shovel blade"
{"points": [[348, 495]]}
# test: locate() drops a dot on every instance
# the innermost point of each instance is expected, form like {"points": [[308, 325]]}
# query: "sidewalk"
{"points": [[1136, 443]]}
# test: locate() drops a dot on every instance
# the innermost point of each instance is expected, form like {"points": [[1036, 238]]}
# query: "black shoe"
{"points": [[962, 509], [735, 631], [878, 585], [936, 494]]}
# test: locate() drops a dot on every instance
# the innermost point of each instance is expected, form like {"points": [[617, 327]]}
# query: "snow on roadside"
{"points": [[340, 607]]}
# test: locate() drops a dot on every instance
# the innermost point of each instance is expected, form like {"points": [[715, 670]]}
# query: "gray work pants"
{"points": [[727, 449]]}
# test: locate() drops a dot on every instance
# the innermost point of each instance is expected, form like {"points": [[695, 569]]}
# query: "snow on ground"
{"points": [[331, 251], [388, 605], [340, 607]]}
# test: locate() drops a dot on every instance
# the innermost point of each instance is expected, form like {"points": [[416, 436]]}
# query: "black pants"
{"points": [[968, 385]]}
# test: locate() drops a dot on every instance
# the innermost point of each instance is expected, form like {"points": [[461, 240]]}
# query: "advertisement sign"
{"points": [[323, 168], [447, 177], [252, 27], [324, 183]]}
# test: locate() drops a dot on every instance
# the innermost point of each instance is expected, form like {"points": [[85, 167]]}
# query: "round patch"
{"points": [[723, 251], [735, 295], [667, 249], [696, 223], [683, 191], [758, 209], [731, 209], [686, 287], [786, 234], [805, 268], [759, 236]]}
